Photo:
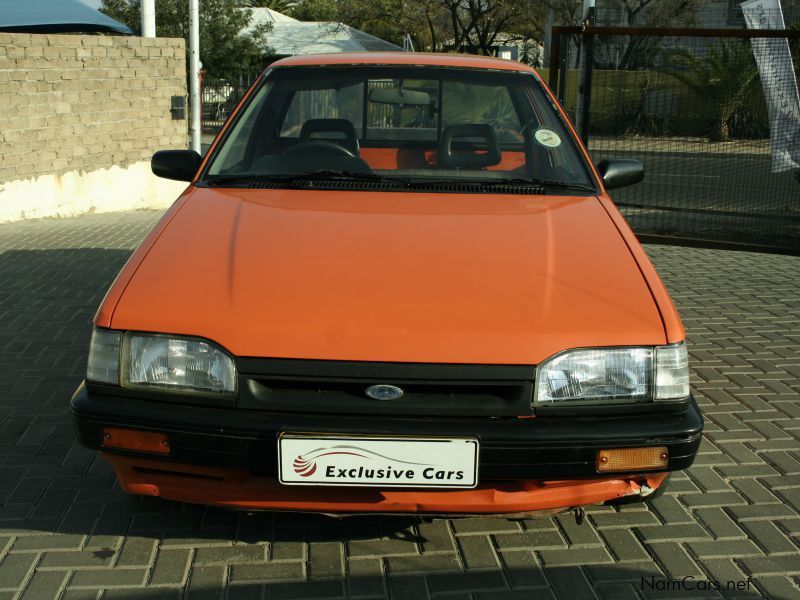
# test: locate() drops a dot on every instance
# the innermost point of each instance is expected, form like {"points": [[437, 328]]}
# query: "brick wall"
{"points": [[76, 105]]}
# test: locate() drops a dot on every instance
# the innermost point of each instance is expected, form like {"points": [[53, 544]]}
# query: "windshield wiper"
{"points": [[233, 180], [551, 183], [346, 175], [500, 182], [320, 174]]}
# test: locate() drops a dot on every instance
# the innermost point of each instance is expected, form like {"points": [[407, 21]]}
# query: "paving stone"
{"points": [[469, 581], [387, 547], [66, 529], [435, 537], [305, 589], [670, 510], [136, 552], [477, 552], [761, 511], [44, 585], [577, 535], [14, 568], [40, 543], [283, 550], [408, 588], [674, 560], [569, 583], [624, 545], [170, 567], [422, 564], [770, 565], [325, 560], [574, 556], [230, 554], [720, 548], [365, 577], [105, 578], [540, 594], [522, 569], [618, 572], [777, 587], [624, 520], [713, 499], [90, 559], [275, 571], [672, 532], [617, 591], [717, 521], [769, 537], [484, 526], [142, 594], [529, 540]]}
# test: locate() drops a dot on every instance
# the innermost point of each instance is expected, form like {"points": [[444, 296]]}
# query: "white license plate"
{"points": [[306, 459]]}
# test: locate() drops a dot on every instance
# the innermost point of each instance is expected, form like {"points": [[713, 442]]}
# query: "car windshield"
{"points": [[399, 123]]}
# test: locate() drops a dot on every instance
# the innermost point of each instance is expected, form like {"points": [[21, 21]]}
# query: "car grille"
{"points": [[336, 387]]}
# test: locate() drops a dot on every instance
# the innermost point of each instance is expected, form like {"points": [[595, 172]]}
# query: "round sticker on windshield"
{"points": [[547, 138]]}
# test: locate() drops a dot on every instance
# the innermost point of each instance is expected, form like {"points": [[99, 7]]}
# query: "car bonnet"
{"points": [[404, 277]]}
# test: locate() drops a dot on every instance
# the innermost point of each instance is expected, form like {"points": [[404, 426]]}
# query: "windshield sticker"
{"points": [[547, 138]]}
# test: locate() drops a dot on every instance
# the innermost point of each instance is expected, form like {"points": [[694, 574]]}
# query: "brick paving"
{"points": [[68, 532]]}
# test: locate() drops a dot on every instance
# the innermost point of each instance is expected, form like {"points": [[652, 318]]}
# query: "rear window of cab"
{"points": [[412, 123]]}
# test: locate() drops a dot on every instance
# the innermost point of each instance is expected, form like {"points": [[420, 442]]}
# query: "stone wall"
{"points": [[80, 117]]}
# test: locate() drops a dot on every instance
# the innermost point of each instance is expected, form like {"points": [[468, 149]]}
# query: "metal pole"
{"points": [[587, 54], [555, 54], [194, 75], [149, 18]]}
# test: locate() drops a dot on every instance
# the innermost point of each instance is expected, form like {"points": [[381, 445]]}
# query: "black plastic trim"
{"points": [[509, 448], [387, 370]]}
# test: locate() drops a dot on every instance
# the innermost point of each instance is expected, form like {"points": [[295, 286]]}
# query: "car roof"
{"points": [[468, 61]]}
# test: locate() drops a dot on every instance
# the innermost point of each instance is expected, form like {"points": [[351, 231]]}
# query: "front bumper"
{"points": [[228, 457]]}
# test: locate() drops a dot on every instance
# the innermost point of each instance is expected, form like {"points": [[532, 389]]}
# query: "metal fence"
{"points": [[688, 103], [219, 97]]}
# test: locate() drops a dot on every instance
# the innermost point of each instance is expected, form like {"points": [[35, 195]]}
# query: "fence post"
{"points": [[587, 86], [555, 55], [587, 64]]}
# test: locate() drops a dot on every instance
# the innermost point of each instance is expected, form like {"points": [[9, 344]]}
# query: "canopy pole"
{"points": [[194, 75], [149, 18]]}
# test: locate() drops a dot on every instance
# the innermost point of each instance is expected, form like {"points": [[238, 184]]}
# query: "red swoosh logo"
{"points": [[306, 468]]}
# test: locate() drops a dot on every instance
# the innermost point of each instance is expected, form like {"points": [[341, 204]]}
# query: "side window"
{"points": [[346, 102], [233, 152], [466, 102]]}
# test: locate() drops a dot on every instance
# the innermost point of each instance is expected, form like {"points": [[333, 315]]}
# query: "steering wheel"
{"points": [[320, 148]]}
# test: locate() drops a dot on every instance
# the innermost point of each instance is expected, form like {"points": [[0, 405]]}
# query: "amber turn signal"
{"points": [[633, 459], [137, 441]]}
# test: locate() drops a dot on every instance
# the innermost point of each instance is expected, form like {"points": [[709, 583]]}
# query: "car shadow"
{"points": [[48, 483]]}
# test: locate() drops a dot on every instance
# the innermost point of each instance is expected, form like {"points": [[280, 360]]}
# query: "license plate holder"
{"points": [[377, 461]]}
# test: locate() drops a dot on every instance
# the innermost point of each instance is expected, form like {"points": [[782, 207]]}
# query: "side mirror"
{"points": [[619, 172], [180, 165]]}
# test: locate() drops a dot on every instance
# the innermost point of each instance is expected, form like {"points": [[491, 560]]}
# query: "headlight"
{"points": [[170, 363], [615, 374], [176, 364], [103, 363]]}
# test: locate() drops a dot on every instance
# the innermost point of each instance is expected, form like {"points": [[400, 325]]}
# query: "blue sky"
{"points": [[92, 3]]}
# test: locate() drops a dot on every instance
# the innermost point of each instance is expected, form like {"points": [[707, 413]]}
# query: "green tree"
{"points": [[316, 10], [722, 80], [227, 48], [281, 6]]}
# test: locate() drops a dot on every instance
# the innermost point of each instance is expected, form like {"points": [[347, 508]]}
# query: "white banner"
{"points": [[780, 84]]}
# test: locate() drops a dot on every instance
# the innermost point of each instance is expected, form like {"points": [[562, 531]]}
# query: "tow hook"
{"points": [[580, 516]]}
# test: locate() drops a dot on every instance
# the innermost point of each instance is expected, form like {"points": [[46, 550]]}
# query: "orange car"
{"points": [[394, 284]]}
